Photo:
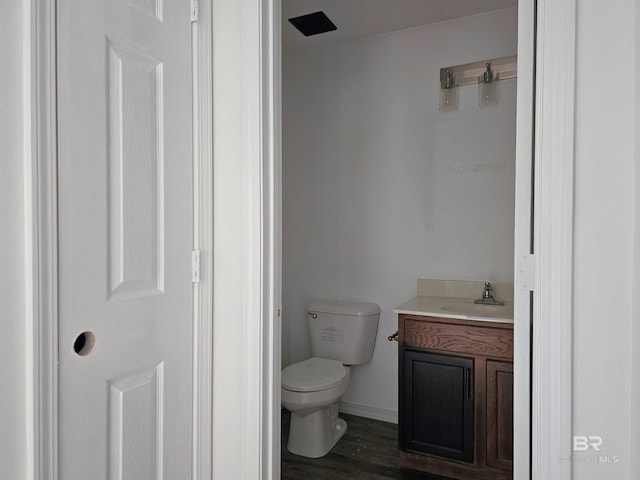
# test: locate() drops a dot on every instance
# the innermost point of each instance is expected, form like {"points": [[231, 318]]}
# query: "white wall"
{"points": [[13, 439], [606, 240], [380, 188]]}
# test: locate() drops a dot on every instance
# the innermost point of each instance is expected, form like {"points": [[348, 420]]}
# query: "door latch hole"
{"points": [[84, 344]]}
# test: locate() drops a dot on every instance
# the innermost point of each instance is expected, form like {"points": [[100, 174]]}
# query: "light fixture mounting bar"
{"points": [[467, 74]]}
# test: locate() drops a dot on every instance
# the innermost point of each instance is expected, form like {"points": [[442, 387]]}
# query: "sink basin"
{"points": [[478, 310]]}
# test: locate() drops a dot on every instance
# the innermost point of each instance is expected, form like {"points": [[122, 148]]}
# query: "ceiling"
{"points": [[363, 18]]}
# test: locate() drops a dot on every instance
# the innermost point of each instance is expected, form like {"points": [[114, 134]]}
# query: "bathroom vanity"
{"points": [[456, 385]]}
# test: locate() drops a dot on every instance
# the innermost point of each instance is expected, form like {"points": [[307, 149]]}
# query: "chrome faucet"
{"points": [[487, 296]]}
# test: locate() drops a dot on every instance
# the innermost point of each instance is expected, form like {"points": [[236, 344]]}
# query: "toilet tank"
{"points": [[344, 331]]}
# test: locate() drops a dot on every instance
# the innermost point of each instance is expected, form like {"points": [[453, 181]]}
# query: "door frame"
{"points": [[543, 253], [543, 275], [40, 110], [551, 274]]}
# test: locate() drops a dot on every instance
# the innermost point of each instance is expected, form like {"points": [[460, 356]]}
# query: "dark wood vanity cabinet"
{"points": [[456, 397]]}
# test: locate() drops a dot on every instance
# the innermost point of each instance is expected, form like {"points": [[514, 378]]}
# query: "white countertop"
{"points": [[453, 307]]}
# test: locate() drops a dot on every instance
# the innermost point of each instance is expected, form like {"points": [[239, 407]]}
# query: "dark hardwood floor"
{"points": [[368, 451]]}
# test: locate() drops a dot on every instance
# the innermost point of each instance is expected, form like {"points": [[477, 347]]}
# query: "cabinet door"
{"points": [[499, 414], [437, 405]]}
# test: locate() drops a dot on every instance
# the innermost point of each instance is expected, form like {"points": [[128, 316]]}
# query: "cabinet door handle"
{"points": [[467, 374], [393, 337]]}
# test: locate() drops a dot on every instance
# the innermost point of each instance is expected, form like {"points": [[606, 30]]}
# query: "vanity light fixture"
{"points": [[448, 93], [484, 74]]}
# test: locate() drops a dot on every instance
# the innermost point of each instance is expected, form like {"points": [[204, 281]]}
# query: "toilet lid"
{"points": [[312, 375]]}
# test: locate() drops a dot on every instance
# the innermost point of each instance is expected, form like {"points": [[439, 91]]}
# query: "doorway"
{"points": [[309, 176]]}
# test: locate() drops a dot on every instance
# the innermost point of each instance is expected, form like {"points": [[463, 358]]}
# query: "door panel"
{"points": [[437, 405], [135, 160], [136, 421], [125, 239], [500, 414]]}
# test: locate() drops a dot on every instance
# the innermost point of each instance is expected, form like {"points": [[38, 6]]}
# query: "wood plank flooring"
{"points": [[368, 451]]}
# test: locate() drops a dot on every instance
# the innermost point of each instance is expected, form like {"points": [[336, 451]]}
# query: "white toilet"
{"points": [[342, 334]]}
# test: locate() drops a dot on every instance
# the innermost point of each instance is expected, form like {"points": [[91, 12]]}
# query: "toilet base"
{"points": [[314, 434]]}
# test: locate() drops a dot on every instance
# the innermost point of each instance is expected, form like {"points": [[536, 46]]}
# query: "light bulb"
{"points": [[448, 99], [487, 94]]}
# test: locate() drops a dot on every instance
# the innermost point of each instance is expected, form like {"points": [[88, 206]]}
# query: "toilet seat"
{"points": [[313, 375]]}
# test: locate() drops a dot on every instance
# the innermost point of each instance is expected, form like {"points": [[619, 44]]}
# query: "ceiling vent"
{"points": [[313, 24]]}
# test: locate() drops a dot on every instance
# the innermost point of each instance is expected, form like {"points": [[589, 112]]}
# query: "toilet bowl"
{"points": [[342, 334], [313, 402]]}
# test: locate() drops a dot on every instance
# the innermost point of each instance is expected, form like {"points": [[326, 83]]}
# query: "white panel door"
{"points": [[125, 239]]}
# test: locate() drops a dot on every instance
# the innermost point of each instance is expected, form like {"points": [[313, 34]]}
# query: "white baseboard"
{"points": [[382, 414]]}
